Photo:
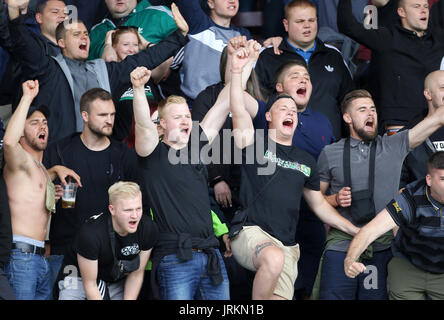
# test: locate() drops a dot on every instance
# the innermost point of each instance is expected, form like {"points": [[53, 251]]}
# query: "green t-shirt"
{"points": [[154, 22]]}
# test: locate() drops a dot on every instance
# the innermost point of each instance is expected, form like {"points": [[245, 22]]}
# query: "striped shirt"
{"points": [[420, 238]]}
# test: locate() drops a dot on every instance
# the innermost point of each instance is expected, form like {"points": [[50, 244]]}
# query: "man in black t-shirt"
{"points": [[271, 187], [186, 259], [111, 249], [97, 159]]}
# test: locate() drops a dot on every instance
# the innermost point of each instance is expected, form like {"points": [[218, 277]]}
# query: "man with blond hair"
{"points": [[112, 249], [186, 260]]}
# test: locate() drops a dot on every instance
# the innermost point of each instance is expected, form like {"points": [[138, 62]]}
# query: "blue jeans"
{"points": [[189, 280], [335, 285], [55, 264], [29, 276]]}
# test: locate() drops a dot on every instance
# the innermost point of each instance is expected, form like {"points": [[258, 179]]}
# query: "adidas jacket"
{"points": [[330, 78]]}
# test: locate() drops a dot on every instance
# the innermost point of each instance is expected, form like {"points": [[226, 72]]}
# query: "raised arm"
{"points": [[15, 7], [27, 47], [425, 128], [216, 116], [150, 58], [5, 39], [374, 39], [382, 223], [146, 133], [196, 18], [15, 155], [243, 130]]}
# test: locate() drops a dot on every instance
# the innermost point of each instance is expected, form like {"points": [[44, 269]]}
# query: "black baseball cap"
{"points": [[42, 108], [275, 98]]}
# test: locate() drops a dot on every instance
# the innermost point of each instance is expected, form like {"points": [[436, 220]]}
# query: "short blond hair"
{"points": [[123, 190], [161, 107]]}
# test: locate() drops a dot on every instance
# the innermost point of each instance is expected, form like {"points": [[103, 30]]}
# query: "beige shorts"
{"points": [[243, 246]]}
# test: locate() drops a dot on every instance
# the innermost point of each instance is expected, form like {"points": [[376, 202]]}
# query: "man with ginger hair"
{"points": [[186, 259]]}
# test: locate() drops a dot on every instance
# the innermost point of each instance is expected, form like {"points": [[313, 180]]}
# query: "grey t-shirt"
{"points": [[84, 78], [390, 154]]}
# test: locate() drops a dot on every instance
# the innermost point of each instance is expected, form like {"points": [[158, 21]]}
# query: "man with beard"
{"points": [[360, 175], [31, 196], [97, 159]]}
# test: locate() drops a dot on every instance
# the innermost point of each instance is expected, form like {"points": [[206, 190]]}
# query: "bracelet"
{"points": [[216, 181], [350, 258], [337, 199]]}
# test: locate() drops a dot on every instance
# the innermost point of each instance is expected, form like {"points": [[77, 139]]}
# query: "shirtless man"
{"points": [[31, 196]]}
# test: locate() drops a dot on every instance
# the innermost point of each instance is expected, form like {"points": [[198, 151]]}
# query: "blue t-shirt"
{"points": [[306, 55]]}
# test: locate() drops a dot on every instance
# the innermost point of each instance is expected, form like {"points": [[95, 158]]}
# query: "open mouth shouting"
{"points": [[288, 123], [302, 92], [184, 130], [84, 46], [42, 136], [369, 125], [133, 224]]}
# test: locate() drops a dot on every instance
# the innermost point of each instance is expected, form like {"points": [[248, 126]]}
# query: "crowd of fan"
{"points": [[153, 109]]}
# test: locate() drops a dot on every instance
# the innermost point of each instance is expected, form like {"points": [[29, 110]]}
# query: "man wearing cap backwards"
{"points": [[31, 195], [271, 200]]}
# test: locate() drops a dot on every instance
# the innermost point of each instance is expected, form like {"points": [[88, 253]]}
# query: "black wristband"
{"points": [[215, 181]]}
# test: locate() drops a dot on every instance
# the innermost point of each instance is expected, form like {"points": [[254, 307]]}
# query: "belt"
{"points": [[28, 248]]}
